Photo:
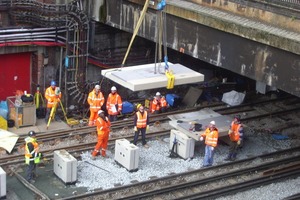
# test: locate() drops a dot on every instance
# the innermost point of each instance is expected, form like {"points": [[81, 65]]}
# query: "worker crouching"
{"points": [[211, 135], [159, 104], [103, 129]]}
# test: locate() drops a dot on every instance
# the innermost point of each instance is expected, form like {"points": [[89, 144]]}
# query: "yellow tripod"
{"points": [[37, 97], [52, 113], [70, 121]]}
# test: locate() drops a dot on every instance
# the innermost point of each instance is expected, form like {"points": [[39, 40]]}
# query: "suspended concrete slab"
{"points": [[143, 77]]}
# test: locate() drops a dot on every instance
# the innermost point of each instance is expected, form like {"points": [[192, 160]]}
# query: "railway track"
{"points": [[127, 123], [82, 132], [79, 135], [207, 183]]}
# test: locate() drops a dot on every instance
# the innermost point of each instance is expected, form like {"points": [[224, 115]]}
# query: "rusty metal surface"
{"points": [[260, 62]]}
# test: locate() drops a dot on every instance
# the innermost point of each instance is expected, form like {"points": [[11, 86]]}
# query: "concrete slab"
{"points": [[143, 77], [222, 123], [197, 115], [203, 116]]}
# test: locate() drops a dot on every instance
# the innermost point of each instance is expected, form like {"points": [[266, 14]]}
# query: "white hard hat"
{"points": [[213, 123], [97, 87], [100, 111], [157, 93], [113, 88]]}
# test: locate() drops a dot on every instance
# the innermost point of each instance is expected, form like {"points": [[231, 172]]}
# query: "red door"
{"points": [[14, 74]]}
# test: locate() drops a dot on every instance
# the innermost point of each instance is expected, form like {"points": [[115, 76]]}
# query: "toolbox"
{"points": [[127, 154], [65, 166], [184, 145]]}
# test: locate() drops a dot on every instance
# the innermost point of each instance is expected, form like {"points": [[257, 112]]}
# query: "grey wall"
{"points": [[273, 66]]}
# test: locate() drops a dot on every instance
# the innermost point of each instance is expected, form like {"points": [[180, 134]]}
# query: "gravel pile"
{"points": [[105, 173], [274, 191]]}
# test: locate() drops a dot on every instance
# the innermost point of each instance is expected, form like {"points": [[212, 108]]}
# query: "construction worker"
{"points": [[159, 104], [32, 156], [235, 134], [141, 124], [211, 135], [53, 96], [96, 101], [113, 104], [103, 129]]}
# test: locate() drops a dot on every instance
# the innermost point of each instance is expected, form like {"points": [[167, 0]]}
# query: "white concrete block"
{"points": [[65, 166], [143, 77], [185, 145], [2, 183], [127, 154]]}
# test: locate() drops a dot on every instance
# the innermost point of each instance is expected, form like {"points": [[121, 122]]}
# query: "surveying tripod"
{"points": [[70, 121], [37, 97], [52, 113]]}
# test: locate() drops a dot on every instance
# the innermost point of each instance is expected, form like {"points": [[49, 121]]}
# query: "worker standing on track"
{"points": [[53, 96], [141, 125], [32, 156], [103, 129], [211, 135], [113, 104], [235, 134], [159, 104], [95, 100]]}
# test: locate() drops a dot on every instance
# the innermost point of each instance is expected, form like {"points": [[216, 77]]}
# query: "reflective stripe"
{"points": [[95, 101], [141, 120], [102, 125], [235, 135], [211, 137], [29, 155], [50, 95], [155, 106], [112, 101]]}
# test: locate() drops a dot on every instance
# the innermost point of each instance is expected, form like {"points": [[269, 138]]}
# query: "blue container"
{"points": [[127, 107], [3, 109], [173, 100]]}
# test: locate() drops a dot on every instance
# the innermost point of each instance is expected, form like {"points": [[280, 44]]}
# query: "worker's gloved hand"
{"points": [[147, 128], [49, 100], [201, 138], [135, 128], [229, 132], [239, 142], [212, 148]]}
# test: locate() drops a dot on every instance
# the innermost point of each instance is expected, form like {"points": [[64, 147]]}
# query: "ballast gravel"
{"points": [[105, 173]]}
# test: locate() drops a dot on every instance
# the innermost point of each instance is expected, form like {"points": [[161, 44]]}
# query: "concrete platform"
{"points": [[40, 126], [143, 77], [181, 122]]}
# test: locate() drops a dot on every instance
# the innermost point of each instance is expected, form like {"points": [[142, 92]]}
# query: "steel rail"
{"points": [[44, 137], [48, 153], [212, 193], [171, 178]]}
